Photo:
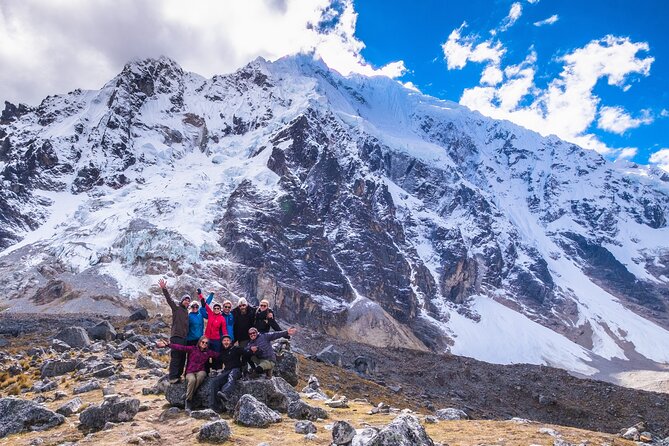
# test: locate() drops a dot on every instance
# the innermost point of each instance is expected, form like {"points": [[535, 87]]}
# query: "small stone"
{"points": [[71, 407], [87, 387], [214, 432], [75, 337], [59, 346], [169, 414], [305, 427], [429, 419], [139, 315], [206, 414], [451, 413]]}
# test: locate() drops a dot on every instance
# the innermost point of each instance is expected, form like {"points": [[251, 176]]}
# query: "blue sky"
{"points": [[631, 112], [593, 72]]}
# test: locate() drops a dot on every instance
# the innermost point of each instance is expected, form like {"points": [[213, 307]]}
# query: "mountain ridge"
{"points": [[350, 202]]}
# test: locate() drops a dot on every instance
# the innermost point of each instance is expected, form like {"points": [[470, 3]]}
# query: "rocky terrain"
{"points": [[360, 208], [86, 380]]}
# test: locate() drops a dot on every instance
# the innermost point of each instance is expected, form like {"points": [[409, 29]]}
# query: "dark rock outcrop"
{"points": [[113, 409], [17, 415]]}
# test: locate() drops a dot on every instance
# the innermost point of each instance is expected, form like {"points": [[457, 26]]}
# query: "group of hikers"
{"points": [[227, 343]]}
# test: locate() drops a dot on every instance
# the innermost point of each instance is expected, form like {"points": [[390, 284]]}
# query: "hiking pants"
{"points": [[227, 379], [193, 381], [177, 358]]}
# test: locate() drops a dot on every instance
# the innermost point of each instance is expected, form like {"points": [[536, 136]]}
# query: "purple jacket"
{"points": [[264, 343], [196, 357]]}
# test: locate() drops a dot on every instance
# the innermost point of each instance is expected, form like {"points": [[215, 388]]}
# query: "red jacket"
{"points": [[216, 326]]}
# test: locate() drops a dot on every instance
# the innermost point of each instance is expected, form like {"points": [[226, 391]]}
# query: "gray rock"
{"points": [[364, 436], [144, 362], [276, 393], [214, 432], [57, 367], [104, 331], [59, 395], [206, 414], [127, 345], [112, 410], [87, 387], [364, 365], [158, 327], [17, 415], [75, 337], [451, 413], [139, 315], [44, 386], [104, 372], [429, 419], [71, 407], [305, 427], [59, 346], [299, 410], [169, 414], [253, 413], [342, 433], [286, 367], [139, 339], [405, 430], [330, 355]]}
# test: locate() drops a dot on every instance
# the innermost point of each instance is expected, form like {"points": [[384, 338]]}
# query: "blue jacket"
{"points": [[196, 324]]}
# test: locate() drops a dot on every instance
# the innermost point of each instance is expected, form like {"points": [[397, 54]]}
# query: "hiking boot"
{"points": [[259, 370], [222, 396], [188, 405], [268, 374], [174, 380]]}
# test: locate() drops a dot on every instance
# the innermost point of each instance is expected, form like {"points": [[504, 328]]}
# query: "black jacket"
{"points": [[243, 322], [231, 357], [263, 323]]}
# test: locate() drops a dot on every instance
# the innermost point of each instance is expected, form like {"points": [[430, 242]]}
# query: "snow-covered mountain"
{"points": [[355, 205]]}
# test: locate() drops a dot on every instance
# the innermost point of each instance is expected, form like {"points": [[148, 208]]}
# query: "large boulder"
{"points": [[299, 410], [405, 430], [57, 367], [342, 433], [286, 367], [139, 315], [275, 393], [103, 331], [252, 413], [17, 415], [451, 413], [214, 432], [330, 355], [75, 337], [113, 409]]}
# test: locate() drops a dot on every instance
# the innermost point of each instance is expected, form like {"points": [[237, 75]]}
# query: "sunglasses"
{"points": [[227, 306], [263, 305], [204, 343]]}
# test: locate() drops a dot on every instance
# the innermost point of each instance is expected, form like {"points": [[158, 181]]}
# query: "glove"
{"points": [[211, 295], [199, 291]]}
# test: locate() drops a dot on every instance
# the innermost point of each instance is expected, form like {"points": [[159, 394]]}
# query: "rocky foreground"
{"points": [[83, 380]]}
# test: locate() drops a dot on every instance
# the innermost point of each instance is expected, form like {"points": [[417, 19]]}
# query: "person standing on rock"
{"points": [[179, 332], [196, 318], [198, 356], [231, 356], [244, 316], [216, 327], [265, 318], [259, 352]]}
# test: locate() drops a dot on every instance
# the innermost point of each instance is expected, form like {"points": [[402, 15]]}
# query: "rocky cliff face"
{"points": [[356, 206]]}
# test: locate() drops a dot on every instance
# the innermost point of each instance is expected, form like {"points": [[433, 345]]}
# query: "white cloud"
{"points": [[532, 1], [567, 107], [664, 113], [514, 14], [549, 21], [627, 153], [661, 158], [458, 50], [617, 120], [83, 44]]}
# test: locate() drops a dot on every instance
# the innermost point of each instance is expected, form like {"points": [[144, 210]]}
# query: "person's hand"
{"points": [[161, 344], [270, 315], [292, 331], [199, 291], [254, 349], [162, 284]]}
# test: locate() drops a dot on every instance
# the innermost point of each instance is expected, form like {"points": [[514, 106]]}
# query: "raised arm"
{"points": [[163, 286], [272, 322]]}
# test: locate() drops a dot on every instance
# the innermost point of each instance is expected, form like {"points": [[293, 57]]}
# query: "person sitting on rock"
{"points": [[216, 327], [244, 317], [231, 357], [178, 333], [259, 352], [196, 318], [265, 318], [198, 356]]}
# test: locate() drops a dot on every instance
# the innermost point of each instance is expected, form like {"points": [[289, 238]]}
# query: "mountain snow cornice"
{"points": [[355, 205]]}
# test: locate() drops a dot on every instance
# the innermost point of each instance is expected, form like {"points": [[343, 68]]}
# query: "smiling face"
{"points": [[253, 333], [217, 309]]}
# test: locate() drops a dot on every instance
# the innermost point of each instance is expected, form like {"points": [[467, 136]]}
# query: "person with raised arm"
{"points": [[178, 333], [216, 327], [198, 356], [196, 318], [259, 352]]}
